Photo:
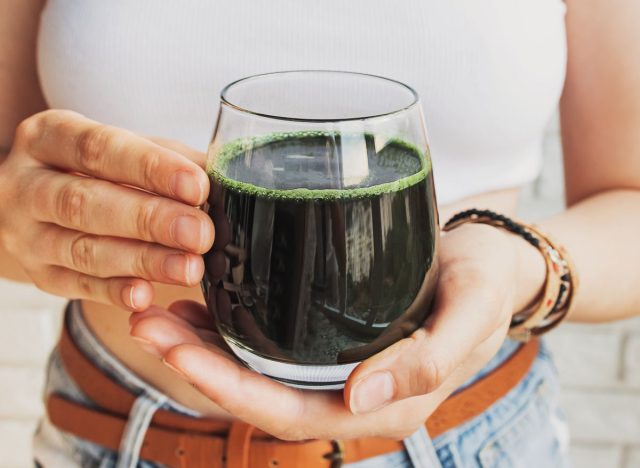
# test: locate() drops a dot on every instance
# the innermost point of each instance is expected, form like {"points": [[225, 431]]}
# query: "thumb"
{"points": [[421, 363]]}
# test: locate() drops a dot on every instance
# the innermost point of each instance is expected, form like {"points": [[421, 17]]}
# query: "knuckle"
{"points": [[30, 130], [9, 241], [33, 128], [424, 377], [83, 253], [430, 372], [142, 261], [85, 287], [43, 279], [12, 244], [36, 194], [39, 282], [91, 145], [151, 165], [72, 201], [145, 220]]}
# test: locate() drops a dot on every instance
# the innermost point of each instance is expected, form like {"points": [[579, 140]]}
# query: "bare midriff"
{"points": [[111, 324]]}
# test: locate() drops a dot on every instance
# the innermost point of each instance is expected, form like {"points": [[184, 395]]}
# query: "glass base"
{"points": [[305, 376]]}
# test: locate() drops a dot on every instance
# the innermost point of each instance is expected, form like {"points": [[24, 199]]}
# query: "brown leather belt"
{"points": [[179, 440]]}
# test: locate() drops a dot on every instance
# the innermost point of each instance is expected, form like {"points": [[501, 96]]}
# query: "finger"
{"points": [[216, 265], [153, 311], [71, 141], [246, 325], [106, 257], [194, 313], [184, 311], [465, 315], [194, 155], [274, 408], [128, 293], [100, 207], [198, 316], [157, 330]]}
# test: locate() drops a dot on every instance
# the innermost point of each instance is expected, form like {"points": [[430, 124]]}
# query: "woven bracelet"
{"points": [[560, 284]]}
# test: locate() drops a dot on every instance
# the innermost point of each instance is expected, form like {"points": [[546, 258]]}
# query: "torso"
{"points": [[489, 75]]}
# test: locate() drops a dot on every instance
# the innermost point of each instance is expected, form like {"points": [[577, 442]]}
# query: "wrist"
{"points": [[536, 310], [526, 266], [530, 274]]}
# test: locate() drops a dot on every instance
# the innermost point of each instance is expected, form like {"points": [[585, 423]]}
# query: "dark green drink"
{"points": [[325, 248]]}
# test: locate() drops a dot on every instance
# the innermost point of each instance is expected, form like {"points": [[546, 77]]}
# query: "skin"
{"points": [[69, 235]]}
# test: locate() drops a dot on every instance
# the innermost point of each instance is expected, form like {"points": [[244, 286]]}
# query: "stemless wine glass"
{"points": [[326, 222]]}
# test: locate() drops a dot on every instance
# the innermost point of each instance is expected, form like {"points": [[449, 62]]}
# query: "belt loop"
{"points": [[421, 451], [336, 456], [139, 420], [238, 445]]}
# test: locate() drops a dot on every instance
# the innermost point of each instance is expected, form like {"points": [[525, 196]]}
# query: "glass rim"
{"points": [[225, 101]]}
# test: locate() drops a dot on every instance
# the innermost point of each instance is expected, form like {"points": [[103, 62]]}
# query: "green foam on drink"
{"points": [[219, 165]]}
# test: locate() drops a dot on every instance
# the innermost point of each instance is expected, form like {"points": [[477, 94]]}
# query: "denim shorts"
{"points": [[525, 428]]}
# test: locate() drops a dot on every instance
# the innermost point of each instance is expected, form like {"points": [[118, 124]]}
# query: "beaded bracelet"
{"points": [[561, 281]]}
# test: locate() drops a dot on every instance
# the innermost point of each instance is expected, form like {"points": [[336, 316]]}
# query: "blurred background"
{"points": [[599, 365]]}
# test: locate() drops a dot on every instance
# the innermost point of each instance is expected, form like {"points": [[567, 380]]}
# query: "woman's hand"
{"points": [[392, 393], [96, 212]]}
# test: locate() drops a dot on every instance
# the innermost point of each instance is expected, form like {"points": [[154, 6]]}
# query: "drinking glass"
{"points": [[326, 222]]}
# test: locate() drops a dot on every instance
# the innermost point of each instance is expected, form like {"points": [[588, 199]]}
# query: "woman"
{"points": [[490, 75]]}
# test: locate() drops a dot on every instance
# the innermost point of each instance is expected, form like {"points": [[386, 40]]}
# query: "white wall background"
{"points": [[600, 365]]}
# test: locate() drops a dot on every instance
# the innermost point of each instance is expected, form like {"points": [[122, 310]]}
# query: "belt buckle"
{"points": [[336, 456]]}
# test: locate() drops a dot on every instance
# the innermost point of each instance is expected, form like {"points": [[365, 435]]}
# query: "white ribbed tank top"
{"points": [[489, 73]]}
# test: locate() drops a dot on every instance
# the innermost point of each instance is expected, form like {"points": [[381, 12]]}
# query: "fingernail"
{"points": [[176, 267], [186, 186], [372, 393], [133, 296], [147, 345], [195, 272], [176, 370], [187, 232]]}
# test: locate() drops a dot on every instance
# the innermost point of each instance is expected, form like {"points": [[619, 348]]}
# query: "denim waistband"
{"points": [[466, 442]]}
